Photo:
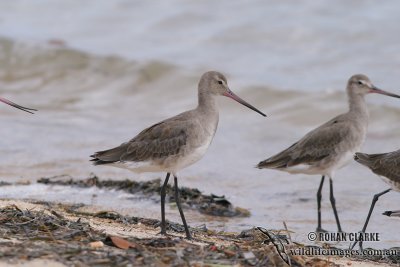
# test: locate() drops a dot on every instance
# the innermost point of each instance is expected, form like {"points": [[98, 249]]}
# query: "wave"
{"points": [[54, 77]]}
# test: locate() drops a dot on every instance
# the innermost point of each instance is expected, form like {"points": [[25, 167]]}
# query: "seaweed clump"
{"points": [[192, 197]]}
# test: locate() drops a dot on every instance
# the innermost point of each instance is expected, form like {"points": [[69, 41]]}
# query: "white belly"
{"points": [[321, 168], [344, 159], [138, 167], [394, 185], [191, 158]]}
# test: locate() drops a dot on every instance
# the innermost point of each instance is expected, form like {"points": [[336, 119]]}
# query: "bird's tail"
{"points": [[281, 160], [108, 156], [394, 213], [275, 162], [366, 159]]}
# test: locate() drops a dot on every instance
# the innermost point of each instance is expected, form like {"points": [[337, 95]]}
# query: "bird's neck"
{"points": [[207, 103], [208, 112], [358, 105]]}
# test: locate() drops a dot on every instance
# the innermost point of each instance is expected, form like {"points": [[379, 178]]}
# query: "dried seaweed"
{"points": [[48, 234], [207, 204], [29, 234]]}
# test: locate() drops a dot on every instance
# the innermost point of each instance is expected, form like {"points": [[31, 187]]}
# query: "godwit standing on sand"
{"points": [[175, 143], [332, 145], [17, 106], [387, 166]]}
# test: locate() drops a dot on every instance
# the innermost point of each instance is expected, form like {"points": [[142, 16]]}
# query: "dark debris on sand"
{"points": [[192, 197], [49, 234], [28, 235]]}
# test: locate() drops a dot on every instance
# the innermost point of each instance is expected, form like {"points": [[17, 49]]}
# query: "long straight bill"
{"points": [[230, 94], [382, 92], [8, 102]]}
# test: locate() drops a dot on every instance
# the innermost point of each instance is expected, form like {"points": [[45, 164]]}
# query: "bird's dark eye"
{"points": [[220, 82], [360, 83]]}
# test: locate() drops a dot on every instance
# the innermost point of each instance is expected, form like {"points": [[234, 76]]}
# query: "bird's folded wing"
{"points": [[158, 141], [313, 147], [388, 165]]}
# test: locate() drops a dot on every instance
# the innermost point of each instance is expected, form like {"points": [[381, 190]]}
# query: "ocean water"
{"points": [[101, 72]]}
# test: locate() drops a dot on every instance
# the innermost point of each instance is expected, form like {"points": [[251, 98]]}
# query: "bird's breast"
{"points": [[199, 139], [190, 155], [393, 184]]}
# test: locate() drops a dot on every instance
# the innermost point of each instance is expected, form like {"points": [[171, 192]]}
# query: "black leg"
{"points": [[333, 203], [319, 197], [163, 193], [178, 203], [374, 200]]}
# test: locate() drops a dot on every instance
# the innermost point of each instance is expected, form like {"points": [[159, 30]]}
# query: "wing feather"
{"points": [[386, 164], [315, 146], [158, 141]]}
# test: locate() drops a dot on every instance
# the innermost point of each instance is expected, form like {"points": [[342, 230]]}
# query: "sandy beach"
{"points": [[66, 247], [37, 232]]}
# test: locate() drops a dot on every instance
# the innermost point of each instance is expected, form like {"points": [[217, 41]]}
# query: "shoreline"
{"points": [[37, 232]]}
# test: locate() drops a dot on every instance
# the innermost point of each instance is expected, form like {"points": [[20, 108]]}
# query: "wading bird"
{"points": [[332, 145], [387, 166], [175, 143]]}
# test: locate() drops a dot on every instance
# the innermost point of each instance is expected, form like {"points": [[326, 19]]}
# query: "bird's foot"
{"points": [[189, 237], [321, 230], [164, 233], [197, 239], [360, 242], [355, 243]]}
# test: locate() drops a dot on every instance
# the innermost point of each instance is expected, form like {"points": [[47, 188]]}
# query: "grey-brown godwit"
{"points": [[8, 102], [175, 143], [332, 145], [387, 166]]}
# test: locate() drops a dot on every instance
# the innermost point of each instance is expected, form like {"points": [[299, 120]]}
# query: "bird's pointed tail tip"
{"points": [[259, 165], [392, 213], [388, 213], [362, 158]]}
